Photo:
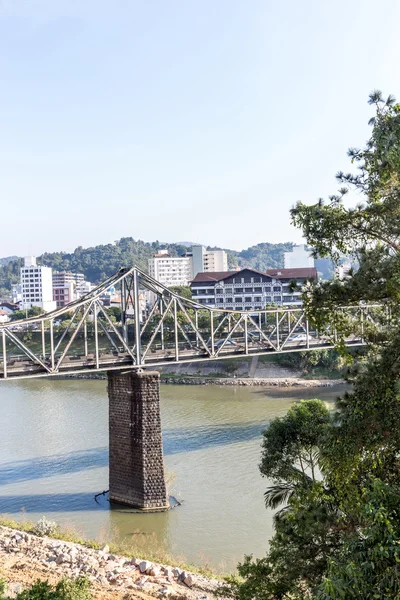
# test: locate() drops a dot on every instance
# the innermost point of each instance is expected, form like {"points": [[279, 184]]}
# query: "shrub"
{"points": [[44, 527]]}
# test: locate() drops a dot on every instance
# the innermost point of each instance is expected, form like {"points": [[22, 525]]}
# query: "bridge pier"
{"points": [[136, 458]]}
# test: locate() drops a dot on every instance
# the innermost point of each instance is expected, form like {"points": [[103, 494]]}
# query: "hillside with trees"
{"points": [[99, 262]]}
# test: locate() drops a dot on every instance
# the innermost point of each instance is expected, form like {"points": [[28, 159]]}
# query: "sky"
{"points": [[181, 120]]}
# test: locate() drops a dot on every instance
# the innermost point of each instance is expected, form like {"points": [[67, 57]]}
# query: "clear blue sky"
{"points": [[181, 120]]}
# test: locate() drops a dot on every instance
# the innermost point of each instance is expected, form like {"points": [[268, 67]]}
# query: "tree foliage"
{"points": [[339, 537]]}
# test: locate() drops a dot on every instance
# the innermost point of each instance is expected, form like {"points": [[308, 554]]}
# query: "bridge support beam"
{"points": [[136, 458]]}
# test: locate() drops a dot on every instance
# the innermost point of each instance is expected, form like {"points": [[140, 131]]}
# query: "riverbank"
{"points": [[265, 382], [25, 557], [229, 381]]}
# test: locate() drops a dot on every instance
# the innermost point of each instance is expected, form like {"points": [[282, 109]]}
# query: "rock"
{"points": [[154, 571], [188, 580], [61, 558], [145, 565], [105, 549], [176, 572], [135, 561], [164, 592]]}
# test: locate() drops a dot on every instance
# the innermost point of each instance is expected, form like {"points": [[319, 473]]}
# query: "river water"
{"points": [[54, 458]]}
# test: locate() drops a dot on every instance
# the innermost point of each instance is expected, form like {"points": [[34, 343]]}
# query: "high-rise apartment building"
{"points": [[174, 270], [299, 258], [65, 284], [64, 277], [208, 260], [36, 285], [171, 270]]}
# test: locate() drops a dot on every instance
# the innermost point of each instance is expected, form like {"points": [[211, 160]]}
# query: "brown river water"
{"points": [[54, 459]]}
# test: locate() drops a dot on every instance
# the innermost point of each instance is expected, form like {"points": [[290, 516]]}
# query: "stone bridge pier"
{"points": [[136, 458]]}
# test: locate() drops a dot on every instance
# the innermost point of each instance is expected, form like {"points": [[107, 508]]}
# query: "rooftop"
{"points": [[304, 272]]}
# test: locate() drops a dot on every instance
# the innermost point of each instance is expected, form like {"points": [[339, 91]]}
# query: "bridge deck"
{"points": [[166, 329]]}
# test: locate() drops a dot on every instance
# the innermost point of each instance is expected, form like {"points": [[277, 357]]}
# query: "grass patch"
{"points": [[322, 373]]}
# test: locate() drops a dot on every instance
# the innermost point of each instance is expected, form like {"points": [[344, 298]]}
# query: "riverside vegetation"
{"points": [[338, 476]]}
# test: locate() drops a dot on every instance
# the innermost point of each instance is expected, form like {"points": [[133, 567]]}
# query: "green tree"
{"points": [[34, 311], [182, 290], [368, 564], [290, 449], [340, 538]]}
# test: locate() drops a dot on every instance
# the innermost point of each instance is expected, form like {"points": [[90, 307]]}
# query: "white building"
{"points": [[171, 270], [174, 270], [83, 287], [16, 292], [299, 258], [342, 271], [208, 260], [36, 285], [4, 318]]}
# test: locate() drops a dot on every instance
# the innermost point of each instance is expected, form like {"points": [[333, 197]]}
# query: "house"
{"points": [[8, 307], [4, 316], [249, 289]]}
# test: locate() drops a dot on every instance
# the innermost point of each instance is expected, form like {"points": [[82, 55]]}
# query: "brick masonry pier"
{"points": [[136, 458]]}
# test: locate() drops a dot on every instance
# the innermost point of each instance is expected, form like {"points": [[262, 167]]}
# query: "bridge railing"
{"points": [[158, 327]]}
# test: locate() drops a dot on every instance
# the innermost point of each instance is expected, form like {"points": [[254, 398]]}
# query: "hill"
{"points": [[99, 262], [7, 259]]}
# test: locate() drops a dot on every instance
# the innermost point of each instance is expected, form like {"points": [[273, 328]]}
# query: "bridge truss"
{"points": [[158, 327]]}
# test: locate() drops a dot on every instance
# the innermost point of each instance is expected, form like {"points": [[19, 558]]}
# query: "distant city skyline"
{"points": [[180, 120]]}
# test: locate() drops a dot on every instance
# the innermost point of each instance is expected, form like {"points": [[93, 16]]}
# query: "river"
{"points": [[54, 458]]}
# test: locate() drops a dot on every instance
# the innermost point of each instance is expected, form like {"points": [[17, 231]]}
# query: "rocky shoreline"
{"points": [[236, 381], [272, 382], [110, 576]]}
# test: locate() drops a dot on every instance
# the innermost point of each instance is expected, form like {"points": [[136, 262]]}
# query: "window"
{"points": [[268, 299], [258, 289], [228, 290], [277, 298], [218, 291], [257, 279], [220, 300], [276, 288], [239, 290], [257, 299], [268, 288], [238, 299], [230, 300], [247, 299]]}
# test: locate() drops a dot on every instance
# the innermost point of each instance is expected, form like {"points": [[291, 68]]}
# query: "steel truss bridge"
{"points": [[157, 327]]}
